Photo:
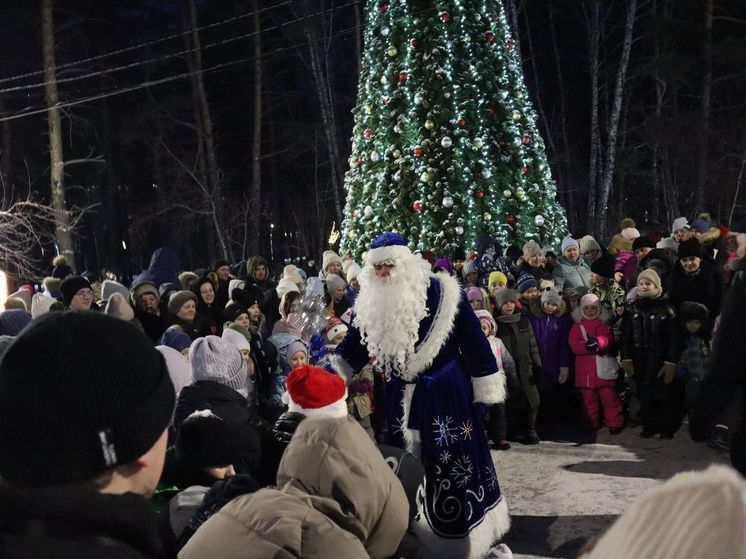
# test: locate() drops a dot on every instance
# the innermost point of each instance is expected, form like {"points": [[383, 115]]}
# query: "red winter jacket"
{"points": [[585, 362]]}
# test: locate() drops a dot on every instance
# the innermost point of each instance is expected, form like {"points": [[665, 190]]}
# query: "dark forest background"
{"points": [[233, 139]]}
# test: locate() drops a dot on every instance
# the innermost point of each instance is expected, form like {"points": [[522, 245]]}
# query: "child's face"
{"points": [[354, 284], [591, 312], [338, 294], [338, 338], [243, 320], [485, 327], [644, 285], [477, 304], [508, 308], [550, 308], [693, 326], [298, 358], [471, 278], [496, 286]]}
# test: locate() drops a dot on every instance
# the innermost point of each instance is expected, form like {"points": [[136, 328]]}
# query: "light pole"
{"points": [[271, 242]]}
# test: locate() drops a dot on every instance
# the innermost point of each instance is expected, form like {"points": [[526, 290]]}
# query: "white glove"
{"points": [[564, 372]]}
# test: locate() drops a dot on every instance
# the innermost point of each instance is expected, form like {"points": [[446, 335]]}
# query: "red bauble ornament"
{"points": [[360, 160], [479, 194], [413, 42], [354, 214], [527, 139], [417, 205], [511, 219], [490, 36], [461, 122], [384, 8], [509, 44], [445, 17], [368, 134], [403, 75], [524, 170], [418, 151]]}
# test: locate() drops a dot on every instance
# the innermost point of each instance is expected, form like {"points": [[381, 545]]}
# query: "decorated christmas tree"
{"points": [[445, 144]]}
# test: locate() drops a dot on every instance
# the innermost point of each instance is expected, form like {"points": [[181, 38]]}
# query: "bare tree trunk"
{"points": [[739, 182], [215, 198], [63, 231], [358, 36], [704, 132], [515, 30], [322, 82], [6, 140], [255, 198], [616, 109], [595, 32]]}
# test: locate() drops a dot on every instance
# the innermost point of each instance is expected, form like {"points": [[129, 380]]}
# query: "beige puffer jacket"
{"points": [[336, 497]]}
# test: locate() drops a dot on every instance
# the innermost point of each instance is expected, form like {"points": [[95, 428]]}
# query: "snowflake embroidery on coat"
{"points": [[462, 471], [400, 425], [445, 431], [490, 476], [466, 429], [445, 457]]}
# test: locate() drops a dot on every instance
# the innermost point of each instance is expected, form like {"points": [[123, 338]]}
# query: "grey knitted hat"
{"points": [[212, 358], [551, 296], [334, 282], [505, 295]]}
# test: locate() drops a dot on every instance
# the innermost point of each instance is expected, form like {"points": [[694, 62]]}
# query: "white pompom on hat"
{"points": [[315, 392]]}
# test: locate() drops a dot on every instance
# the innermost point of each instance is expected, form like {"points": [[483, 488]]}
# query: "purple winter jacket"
{"points": [[552, 335]]}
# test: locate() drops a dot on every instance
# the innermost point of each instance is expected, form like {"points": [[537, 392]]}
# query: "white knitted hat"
{"points": [[700, 515], [214, 359]]}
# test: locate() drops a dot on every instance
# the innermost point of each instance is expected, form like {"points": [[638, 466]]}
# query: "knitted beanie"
{"points": [[233, 284], [214, 359], [219, 263], [469, 268], [315, 392], [551, 296], [690, 310], [174, 337], [642, 242], [495, 278], [110, 286], [13, 321], [238, 328], [526, 282], [40, 304], [689, 248], [505, 295], [286, 285], [137, 291], [179, 299], [248, 296], [177, 366], [334, 282], [236, 339], [328, 258], [630, 233], [587, 300], [693, 515], [443, 262], [233, 311], [568, 242], [334, 327], [70, 286], [604, 266], [679, 223], [204, 440], [530, 249], [700, 226], [588, 244], [290, 272], [296, 346], [485, 316], [353, 271], [118, 307], [107, 403]]}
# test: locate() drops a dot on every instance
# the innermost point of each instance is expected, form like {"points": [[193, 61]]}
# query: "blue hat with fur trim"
{"points": [[387, 248]]}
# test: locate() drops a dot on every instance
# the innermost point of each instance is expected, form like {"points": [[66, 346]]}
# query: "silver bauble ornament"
{"points": [[448, 202], [375, 157], [459, 230], [507, 193], [368, 212], [517, 115], [385, 31], [477, 143], [539, 220], [486, 173], [446, 142], [418, 98]]}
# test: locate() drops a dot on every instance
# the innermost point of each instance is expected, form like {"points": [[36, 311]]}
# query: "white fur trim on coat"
{"points": [[336, 409], [474, 545], [341, 366], [440, 329], [490, 389], [386, 254]]}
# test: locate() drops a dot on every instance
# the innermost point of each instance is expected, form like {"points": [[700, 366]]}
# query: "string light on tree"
{"points": [[445, 143]]}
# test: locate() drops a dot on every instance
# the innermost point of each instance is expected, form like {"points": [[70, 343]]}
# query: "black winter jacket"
{"points": [[649, 336], [703, 287], [66, 522], [231, 407]]}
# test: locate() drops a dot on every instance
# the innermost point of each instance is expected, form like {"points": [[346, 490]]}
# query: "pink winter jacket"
{"points": [[585, 362], [626, 262]]}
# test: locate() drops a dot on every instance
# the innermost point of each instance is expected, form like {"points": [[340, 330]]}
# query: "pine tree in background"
{"points": [[445, 144]]}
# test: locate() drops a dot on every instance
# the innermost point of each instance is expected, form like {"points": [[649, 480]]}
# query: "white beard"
{"points": [[388, 311]]}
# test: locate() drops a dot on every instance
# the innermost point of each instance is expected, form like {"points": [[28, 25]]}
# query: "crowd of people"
{"points": [[201, 400]]}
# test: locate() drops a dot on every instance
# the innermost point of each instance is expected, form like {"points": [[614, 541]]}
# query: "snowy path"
{"points": [[560, 494]]}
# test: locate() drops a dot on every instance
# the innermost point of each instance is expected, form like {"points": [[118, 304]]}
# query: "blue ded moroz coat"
{"points": [[431, 411]]}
